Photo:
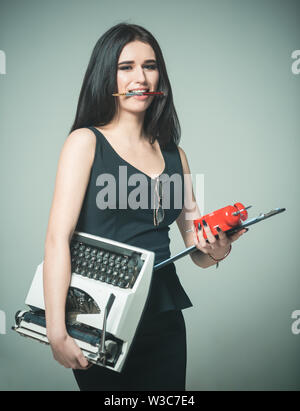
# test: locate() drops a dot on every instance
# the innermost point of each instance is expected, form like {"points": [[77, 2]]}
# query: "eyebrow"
{"points": [[131, 62]]}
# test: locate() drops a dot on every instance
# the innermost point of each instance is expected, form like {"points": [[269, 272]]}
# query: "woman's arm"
{"points": [[72, 178], [190, 212]]}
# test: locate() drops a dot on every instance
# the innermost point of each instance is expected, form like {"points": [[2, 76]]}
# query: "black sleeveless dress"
{"points": [[157, 359]]}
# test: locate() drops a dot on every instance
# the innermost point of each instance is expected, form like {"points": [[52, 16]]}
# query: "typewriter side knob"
{"points": [[18, 318], [111, 348]]}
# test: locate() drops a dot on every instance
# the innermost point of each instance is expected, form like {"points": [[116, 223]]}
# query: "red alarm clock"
{"points": [[226, 218]]}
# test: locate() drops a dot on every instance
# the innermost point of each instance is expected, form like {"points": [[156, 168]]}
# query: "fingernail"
{"points": [[199, 226], [204, 223]]}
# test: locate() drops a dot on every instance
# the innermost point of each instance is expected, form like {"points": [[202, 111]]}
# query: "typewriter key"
{"points": [[121, 284]]}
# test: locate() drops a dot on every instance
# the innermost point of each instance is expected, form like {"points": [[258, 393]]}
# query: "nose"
{"points": [[140, 75]]}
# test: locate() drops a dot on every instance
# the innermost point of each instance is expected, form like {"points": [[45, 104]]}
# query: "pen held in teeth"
{"points": [[140, 93]]}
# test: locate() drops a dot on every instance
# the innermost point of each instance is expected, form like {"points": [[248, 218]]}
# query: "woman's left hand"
{"points": [[216, 247]]}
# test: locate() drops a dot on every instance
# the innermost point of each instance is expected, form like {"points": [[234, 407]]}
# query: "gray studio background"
{"points": [[238, 101]]}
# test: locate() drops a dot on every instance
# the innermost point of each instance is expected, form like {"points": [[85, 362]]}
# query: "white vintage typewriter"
{"points": [[110, 283]]}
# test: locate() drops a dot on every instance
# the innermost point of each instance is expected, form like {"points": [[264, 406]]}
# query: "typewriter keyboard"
{"points": [[103, 262]]}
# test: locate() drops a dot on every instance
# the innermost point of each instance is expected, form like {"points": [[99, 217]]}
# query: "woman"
{"points": [[141, 134]]}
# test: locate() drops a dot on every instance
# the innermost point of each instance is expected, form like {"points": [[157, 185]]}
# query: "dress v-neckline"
{"points": [[125, 161]]}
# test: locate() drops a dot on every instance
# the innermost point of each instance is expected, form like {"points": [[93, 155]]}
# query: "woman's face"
{"points": [[137, 69]]}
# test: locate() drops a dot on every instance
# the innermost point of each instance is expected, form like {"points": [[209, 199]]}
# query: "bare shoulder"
{"points": [[79, 147], [72, 178], [80, 143], [184, 161], [181, 152]]}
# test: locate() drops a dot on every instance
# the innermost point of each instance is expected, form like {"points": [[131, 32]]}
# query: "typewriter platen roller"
{"points": [[109, 286]]}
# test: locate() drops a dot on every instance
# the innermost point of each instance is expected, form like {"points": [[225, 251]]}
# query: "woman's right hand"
{"points": [[67, 353]]}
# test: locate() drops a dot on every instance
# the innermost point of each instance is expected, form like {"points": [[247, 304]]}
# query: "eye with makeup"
{"points": [[151, 67]]}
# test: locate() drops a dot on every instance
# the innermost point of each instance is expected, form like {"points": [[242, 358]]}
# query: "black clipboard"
{"points": [[229, 232]]}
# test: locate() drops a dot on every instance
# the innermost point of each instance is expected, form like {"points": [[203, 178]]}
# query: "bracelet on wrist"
{"points": [[220, 259]]}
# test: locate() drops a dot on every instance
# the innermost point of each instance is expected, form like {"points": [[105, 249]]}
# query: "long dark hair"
{"points": [[96, 105]]}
